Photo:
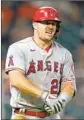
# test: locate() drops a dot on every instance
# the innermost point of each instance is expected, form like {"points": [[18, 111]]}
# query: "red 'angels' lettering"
{"points": [[31, 68], [47, 66], [11, 61], [40, 65]]}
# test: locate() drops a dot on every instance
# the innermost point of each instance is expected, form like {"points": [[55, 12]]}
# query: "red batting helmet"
{"points": [[46, 13]]}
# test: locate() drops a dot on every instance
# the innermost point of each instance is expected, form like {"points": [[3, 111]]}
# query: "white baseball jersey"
{"points": [[45, 69]]}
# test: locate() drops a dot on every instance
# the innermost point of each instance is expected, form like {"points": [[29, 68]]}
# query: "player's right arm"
{"points": [[19, 81], [15, 68]]}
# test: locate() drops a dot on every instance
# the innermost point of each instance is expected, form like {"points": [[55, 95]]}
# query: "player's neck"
{"points": [[42, 44]]}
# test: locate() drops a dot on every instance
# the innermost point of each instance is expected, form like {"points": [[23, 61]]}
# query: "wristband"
{"points": [[64, 97]]}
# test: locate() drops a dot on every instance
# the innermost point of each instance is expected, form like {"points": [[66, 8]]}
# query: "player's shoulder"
{"points": [[22, 42], [62, 48]]}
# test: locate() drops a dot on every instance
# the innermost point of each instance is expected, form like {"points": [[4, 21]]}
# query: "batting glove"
{"points": [[48, 98], [58, 104]]}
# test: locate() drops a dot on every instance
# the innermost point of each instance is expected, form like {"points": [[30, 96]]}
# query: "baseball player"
{"points": [[41, 71]]}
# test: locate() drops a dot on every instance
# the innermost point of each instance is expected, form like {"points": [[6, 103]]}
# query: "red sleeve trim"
{"points": [[10, 69]]}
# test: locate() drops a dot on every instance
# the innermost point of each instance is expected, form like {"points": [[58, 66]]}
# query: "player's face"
{"points": [[46, 30]]}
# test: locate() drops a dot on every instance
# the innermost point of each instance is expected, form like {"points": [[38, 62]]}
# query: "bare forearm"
{"points": [[24, 85], [68, 88]]}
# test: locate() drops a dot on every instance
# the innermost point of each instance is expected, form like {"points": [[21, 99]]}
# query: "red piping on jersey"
{"points": [[10, 69], [48, 48]]}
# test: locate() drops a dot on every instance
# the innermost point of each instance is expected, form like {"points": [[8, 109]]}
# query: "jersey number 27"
{"points": [[54, 86]]}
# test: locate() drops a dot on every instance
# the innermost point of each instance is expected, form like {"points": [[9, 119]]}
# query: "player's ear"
{"points": [[34, 24]]}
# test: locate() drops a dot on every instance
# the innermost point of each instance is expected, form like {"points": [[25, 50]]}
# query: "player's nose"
{"points": [[50, 26]]}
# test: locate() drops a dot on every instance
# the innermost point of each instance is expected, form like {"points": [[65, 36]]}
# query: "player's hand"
{"points": [[57, 105], [48, 98]]}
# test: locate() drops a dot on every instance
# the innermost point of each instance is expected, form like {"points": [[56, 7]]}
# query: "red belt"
{"points": [[32, 113]]}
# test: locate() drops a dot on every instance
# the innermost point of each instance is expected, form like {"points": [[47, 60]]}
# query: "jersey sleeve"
{"points": [[68, 69], [15, 59]]}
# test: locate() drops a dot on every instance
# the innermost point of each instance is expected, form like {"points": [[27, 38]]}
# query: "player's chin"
{"points": [[49, 38]]}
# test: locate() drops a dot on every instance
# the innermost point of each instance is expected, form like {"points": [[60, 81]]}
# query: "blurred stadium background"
{"points": [[16, 24]]}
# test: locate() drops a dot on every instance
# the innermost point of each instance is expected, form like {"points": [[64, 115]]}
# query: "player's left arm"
{"points": [[67, 86], [68, 83]]}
